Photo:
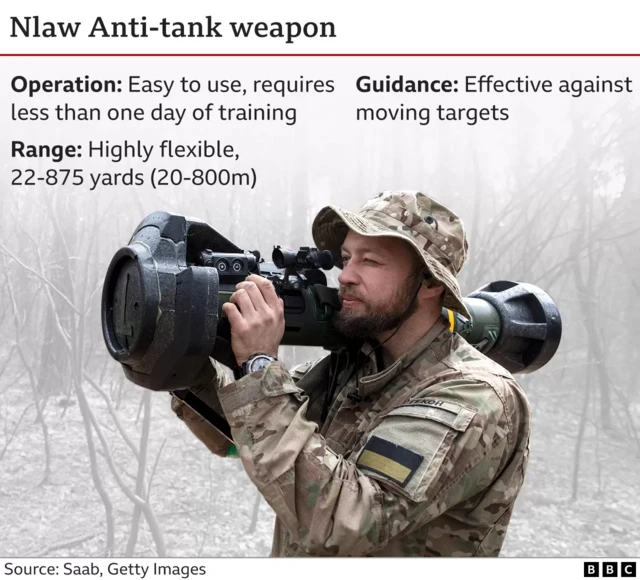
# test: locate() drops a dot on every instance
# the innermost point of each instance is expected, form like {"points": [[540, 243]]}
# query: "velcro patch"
{"points": [[395, 462]]}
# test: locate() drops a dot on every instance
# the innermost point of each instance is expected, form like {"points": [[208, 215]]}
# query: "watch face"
{"points": [[259, 363]]}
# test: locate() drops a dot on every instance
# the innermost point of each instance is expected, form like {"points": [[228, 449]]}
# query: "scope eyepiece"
{"points": [[323, 258]]}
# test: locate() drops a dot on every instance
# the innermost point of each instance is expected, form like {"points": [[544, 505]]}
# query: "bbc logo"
{"points": [[610, 569]]}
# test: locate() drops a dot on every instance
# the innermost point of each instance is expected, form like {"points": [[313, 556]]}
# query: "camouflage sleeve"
{"points": [[212, 377], [420, 460]]}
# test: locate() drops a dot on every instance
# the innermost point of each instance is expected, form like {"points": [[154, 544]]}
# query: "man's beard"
{"points": [[378, 319]]}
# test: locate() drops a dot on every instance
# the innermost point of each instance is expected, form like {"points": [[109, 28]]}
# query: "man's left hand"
{"points": [[256, 315]]}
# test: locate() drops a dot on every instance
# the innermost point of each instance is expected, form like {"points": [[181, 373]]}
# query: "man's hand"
{"points": [[256, 315]]}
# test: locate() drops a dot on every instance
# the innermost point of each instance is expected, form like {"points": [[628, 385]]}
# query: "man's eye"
{"points": [[345, 259], [371, 261]]}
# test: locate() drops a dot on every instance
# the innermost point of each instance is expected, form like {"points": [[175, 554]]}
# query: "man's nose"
{"points": [[349, 274]]}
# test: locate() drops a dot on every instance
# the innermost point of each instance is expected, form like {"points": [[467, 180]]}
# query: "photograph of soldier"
{"points": [[412, 444]]}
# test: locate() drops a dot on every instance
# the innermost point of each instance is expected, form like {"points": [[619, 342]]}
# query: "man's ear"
{"points": [[430, 286]]}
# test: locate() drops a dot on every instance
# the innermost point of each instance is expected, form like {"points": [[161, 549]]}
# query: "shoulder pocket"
{"points": [[406, 450]]}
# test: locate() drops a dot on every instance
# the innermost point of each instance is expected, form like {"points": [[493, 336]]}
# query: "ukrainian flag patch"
{"points": [[393, 461]]}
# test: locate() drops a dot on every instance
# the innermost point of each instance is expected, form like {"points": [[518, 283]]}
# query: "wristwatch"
{"points": [[255, 363]]}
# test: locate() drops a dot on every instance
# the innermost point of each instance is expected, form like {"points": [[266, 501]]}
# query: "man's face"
{"points": [[377, 285]]}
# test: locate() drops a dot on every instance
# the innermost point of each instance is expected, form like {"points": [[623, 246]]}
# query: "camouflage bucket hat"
{"points": [[432, 229]]}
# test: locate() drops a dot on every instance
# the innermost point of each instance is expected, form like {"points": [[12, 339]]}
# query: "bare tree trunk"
{"points": [[140, 479], [32, 381], [95, 475], [586, 284], [579, 441]]}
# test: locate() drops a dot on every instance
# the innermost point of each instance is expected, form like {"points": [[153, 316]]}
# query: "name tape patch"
{"points": [[438, 404], [395, 462]]}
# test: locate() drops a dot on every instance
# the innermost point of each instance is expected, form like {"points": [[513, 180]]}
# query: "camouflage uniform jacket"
{"points": [[423, 458]]}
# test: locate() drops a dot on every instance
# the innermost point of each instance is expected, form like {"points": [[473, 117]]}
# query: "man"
{"points": [[414, 445]]}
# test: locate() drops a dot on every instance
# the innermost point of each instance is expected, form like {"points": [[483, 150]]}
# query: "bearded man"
{"points": [[412, 444]]}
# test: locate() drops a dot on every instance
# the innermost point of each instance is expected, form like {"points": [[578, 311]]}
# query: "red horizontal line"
{"points": [[334, 55]]}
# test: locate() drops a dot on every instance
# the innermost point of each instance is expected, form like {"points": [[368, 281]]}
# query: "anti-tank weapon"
{"points": [[163, 295]]}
